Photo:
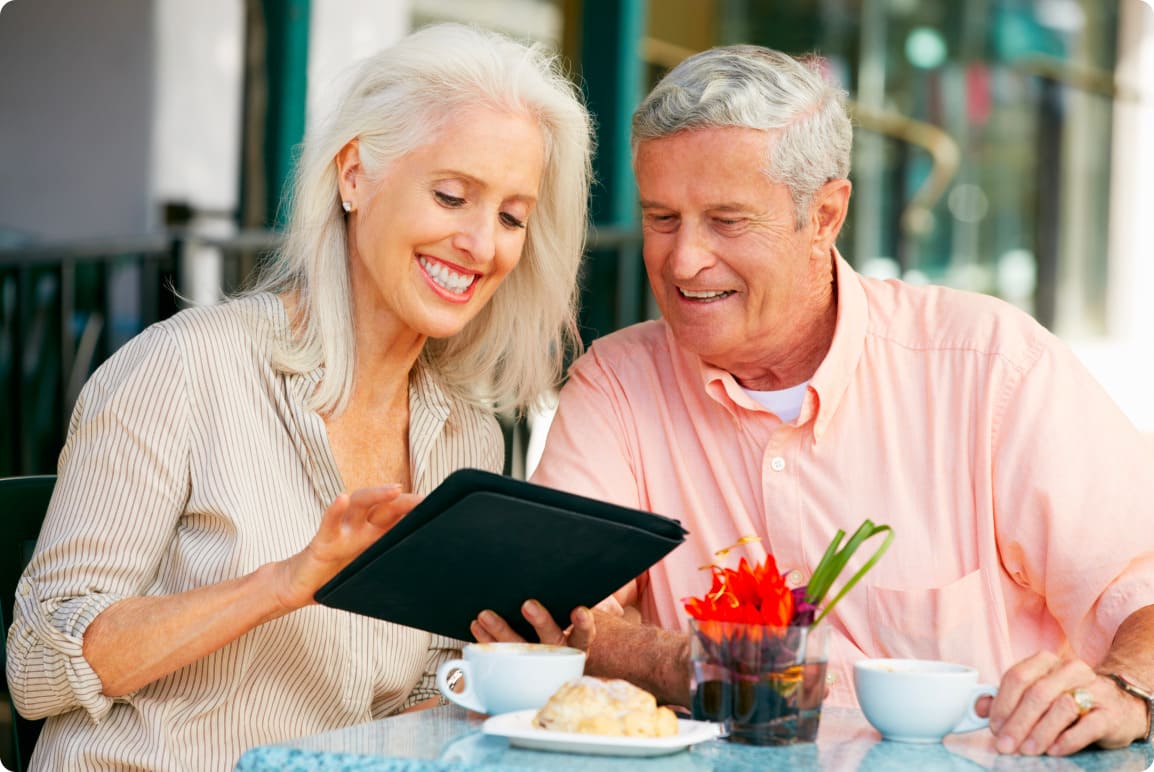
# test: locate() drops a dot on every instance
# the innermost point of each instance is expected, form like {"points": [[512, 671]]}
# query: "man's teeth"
{"points": [[447, 277], [704, 294]]}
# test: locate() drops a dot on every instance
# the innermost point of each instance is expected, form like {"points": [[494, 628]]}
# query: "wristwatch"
{"points": [[1128, 686]]}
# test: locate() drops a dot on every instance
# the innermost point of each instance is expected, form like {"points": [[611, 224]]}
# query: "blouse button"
{"points": [[777, 464]]}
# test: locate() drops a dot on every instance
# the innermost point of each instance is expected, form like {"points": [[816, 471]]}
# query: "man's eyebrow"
{"points": [[726, 206]]}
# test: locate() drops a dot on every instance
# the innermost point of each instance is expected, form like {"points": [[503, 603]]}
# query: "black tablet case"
{"points": [[484, 541]]}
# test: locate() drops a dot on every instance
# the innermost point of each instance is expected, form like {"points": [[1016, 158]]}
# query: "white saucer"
{"points": [[518, 728]]}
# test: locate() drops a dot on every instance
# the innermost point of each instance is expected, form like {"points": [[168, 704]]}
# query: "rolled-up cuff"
{"points": [[46, 663]]}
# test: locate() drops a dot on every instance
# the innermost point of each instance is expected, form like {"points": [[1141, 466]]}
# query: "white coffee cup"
{"points": [[504, 677], [918, 700]]}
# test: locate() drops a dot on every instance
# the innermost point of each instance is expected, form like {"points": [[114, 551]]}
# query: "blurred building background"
{"points": [[1002, 146]]}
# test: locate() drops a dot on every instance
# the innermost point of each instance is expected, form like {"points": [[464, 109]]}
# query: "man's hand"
{"points": [[488, 627], [1037, 709], [652, 658]]}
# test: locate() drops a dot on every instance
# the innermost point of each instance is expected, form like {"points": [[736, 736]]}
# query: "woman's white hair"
{"points": [[758, 88], [514, 350]]}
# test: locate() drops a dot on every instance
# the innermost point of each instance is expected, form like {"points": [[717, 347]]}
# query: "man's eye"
{"points": [[450, 201], [509, 221]]}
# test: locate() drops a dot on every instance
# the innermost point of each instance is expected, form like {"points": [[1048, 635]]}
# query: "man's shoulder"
{"points": [[938, 318], [638, 345]]}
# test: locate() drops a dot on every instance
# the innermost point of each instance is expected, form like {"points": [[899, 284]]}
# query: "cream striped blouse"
{"points": [[189, 460]]}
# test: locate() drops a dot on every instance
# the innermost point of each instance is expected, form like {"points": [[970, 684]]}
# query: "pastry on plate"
{"points": [[589, 705]]}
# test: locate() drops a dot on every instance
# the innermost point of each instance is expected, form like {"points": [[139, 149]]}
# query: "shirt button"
{"points": [[777, 464], [831, 678], [794, 578]]}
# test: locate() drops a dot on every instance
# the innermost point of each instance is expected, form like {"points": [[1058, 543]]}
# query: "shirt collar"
{"points": [[828, 384]]}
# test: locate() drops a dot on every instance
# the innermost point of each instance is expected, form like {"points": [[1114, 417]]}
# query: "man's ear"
{"points": [[350, 177], [828, 212]]}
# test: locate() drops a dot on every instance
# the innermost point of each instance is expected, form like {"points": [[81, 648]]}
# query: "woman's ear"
{"points": [[350, 179]]}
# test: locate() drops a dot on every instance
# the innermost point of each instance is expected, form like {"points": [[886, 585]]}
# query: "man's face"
{"points": [[733, 275]]}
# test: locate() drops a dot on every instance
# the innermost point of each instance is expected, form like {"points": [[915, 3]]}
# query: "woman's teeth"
{"points": [[446, 277], [705, 294]]}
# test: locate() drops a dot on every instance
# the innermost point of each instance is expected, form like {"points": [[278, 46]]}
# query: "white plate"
{"points": [[518, 727]]}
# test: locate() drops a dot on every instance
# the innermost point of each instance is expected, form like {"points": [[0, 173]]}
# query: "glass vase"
{"points": [[764, 684]]}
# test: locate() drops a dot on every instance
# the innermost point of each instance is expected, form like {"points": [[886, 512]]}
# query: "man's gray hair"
{"points": [[758, 88]]}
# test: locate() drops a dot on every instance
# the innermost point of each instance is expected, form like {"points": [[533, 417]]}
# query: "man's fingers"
{"points": [[1058, 718], [1011, 691], [493, 628], [610, 606], [547, 629], [584, 629], [1034, 706]]}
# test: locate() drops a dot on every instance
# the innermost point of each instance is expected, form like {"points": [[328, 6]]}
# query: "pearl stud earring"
{"points": [[347, 206]]}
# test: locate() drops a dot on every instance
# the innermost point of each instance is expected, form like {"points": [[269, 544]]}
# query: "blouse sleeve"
{"points": [[122, 485]]}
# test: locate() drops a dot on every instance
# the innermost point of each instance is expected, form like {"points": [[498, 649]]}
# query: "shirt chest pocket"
{"points": [[955, 622]]}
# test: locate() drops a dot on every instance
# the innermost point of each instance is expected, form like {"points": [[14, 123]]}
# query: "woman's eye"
{"points": [[509, 221], [447, 200]]}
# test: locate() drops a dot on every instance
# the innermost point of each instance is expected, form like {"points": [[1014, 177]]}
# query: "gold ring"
{"points": [[1083, 700]]}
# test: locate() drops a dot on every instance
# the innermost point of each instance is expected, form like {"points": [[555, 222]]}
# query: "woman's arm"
{"points": [[138, 640]]}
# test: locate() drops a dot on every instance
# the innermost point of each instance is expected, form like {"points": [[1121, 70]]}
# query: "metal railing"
{"points": [[65, 308]]}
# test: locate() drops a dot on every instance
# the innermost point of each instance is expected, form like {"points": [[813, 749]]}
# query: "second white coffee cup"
{"points": [[918, 700], [504, 677]]}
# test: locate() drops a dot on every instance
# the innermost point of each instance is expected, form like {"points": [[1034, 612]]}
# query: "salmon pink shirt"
{"points": [[1021, 498]]}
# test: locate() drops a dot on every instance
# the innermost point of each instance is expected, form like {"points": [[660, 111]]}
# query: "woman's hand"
{"points": [[350, 524]]}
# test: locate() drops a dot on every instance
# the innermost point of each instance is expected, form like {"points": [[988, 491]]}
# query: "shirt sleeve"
{"points": [[121, 488], [588, 449], [1074, 499]]}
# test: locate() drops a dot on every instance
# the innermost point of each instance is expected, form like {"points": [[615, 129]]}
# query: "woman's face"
{"points": [[432, 239]]}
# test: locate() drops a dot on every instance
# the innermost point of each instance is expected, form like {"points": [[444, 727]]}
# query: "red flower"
{"points": [[751, 594], [757, 595]]}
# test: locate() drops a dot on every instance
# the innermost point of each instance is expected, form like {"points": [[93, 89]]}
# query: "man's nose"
{"points": [[691, 252]]}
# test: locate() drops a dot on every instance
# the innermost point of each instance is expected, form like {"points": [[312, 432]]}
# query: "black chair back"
{"points": [[23, 502]]}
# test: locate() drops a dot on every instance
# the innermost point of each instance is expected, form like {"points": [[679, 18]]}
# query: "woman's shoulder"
{"points": [[229, 335], [257, 316]]}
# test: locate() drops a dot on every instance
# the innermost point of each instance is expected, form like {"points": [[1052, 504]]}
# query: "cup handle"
{"points": [[468, 697], [972, 721]]}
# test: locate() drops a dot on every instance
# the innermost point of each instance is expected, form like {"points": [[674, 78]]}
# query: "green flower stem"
{"points": [[835, 559]]}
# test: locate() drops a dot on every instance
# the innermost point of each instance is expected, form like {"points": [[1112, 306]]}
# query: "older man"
{"points": [[783, 395]]}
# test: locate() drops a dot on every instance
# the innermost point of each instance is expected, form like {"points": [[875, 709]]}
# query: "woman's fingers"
{"points": [[388, 513]]}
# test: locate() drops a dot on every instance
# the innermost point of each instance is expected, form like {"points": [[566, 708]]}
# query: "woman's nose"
{"points": [[477, 237]]}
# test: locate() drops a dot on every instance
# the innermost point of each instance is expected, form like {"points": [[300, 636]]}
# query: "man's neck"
{"points": [[794, 355]]}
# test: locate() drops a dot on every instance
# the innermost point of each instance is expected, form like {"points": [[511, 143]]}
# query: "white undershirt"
{"points": [[784, 403]]}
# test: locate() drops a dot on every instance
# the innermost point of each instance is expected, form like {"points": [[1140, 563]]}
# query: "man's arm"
{"points": [[654, 659]]}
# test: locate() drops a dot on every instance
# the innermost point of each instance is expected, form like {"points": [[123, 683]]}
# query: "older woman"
{"points": [[227, 462]]}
